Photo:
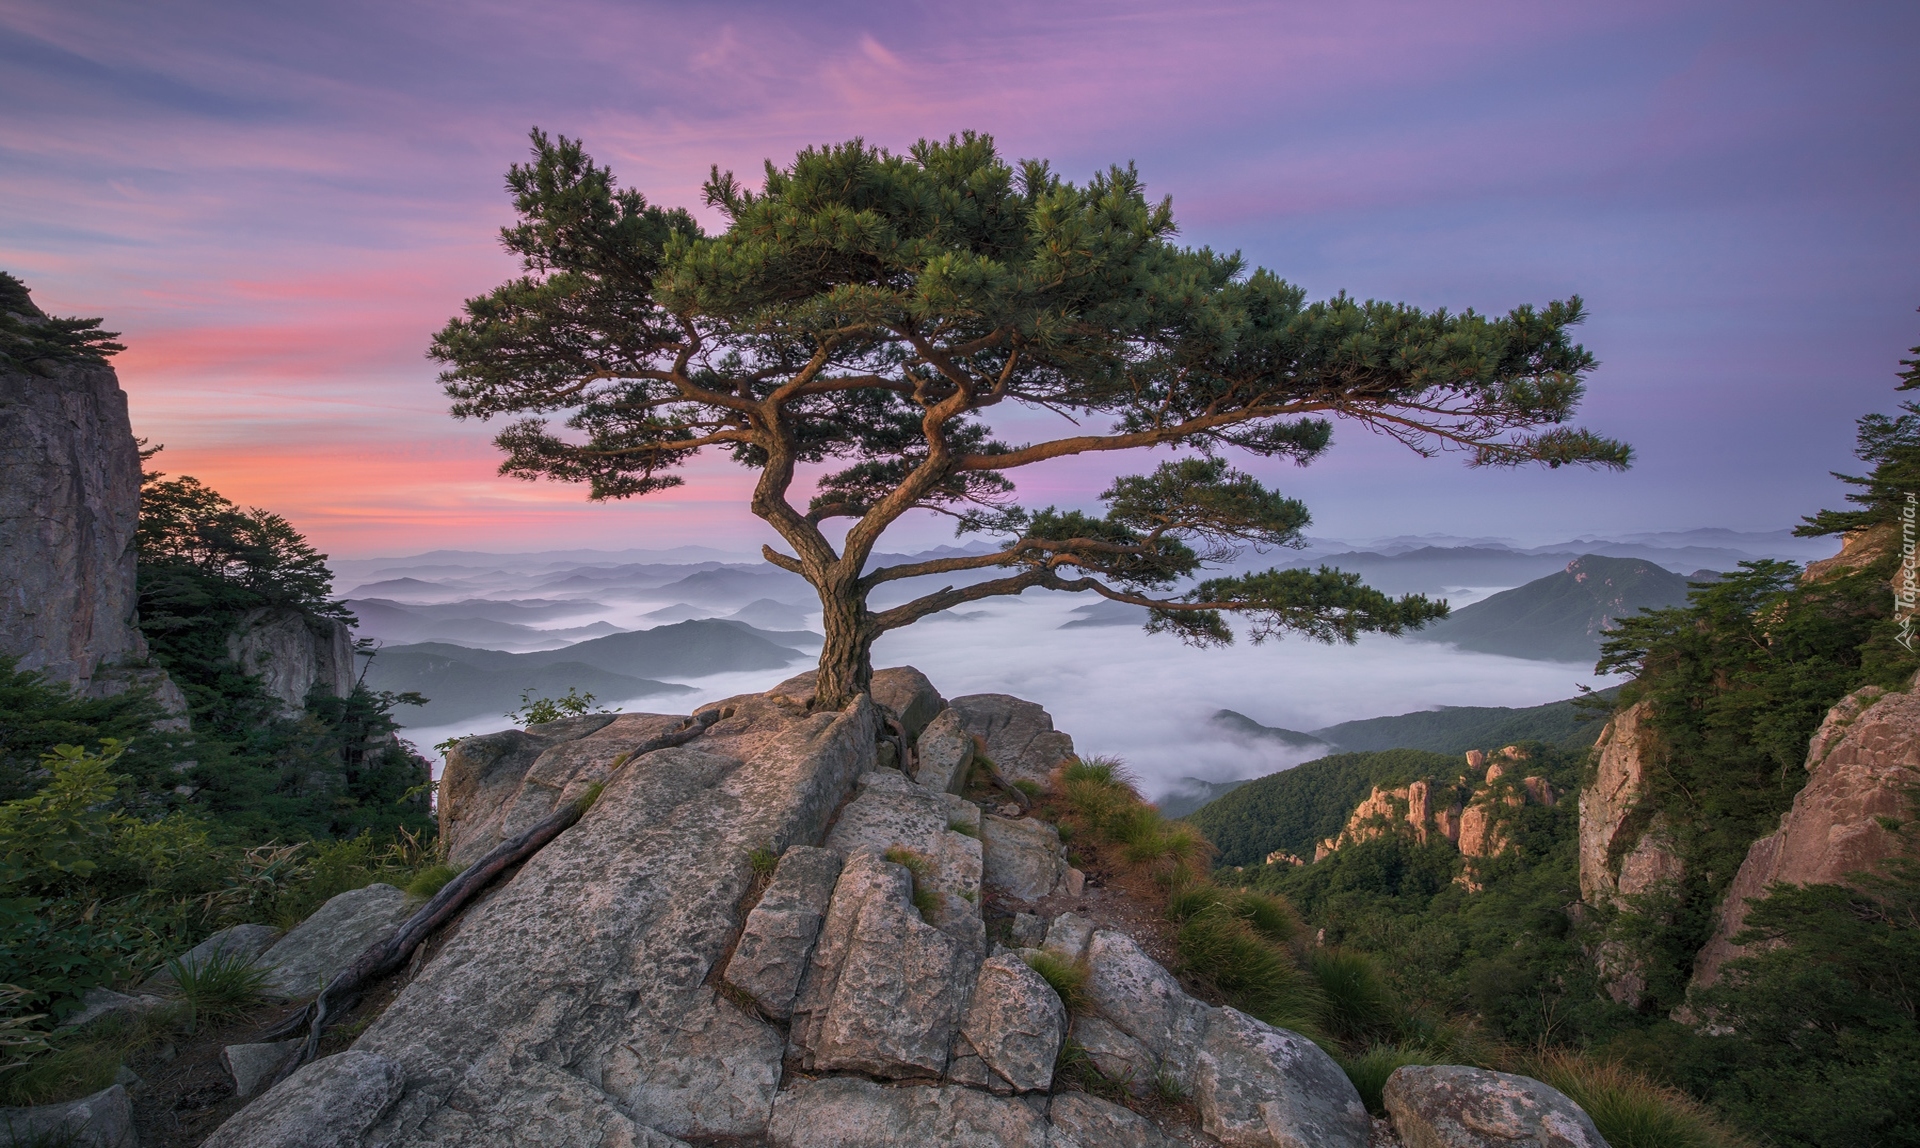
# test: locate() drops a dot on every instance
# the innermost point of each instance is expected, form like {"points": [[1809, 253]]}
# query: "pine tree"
{"points": [[873, 309]]}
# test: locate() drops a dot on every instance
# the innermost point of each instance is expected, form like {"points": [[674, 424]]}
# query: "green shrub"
{"points": [[1254, 974], [224, 987], [431, 880], [964, 828], [1068, 978], [1358, 999], [1369, 1070]]}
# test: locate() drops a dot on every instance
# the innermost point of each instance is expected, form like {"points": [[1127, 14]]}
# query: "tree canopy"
{"points": [[868, 311]]}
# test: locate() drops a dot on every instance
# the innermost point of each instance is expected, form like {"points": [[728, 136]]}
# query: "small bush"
{"points": [[1358, 999], [1030, 788], [1369, 1070], [964, 828], [1068, 978], [431, 880], [1630, 1110], [224, 987], [1250, 971]]}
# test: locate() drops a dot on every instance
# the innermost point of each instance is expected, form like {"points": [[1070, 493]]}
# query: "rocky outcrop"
{"points": [[626, 987], [69, 502], [292, 653], [1453, 1107], [1023, 857], [1019, 735], [1862, 765], [576, 997], [1465, 813], [1626, 850]]}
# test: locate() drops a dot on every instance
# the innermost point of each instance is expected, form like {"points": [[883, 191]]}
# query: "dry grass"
{"points": [[1629, 1109]]}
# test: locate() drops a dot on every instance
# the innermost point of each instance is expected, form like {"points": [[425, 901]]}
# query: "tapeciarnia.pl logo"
{"points": [[1906, 593]]}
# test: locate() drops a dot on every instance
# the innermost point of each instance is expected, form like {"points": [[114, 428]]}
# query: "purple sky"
{"points": [[278, 204]]}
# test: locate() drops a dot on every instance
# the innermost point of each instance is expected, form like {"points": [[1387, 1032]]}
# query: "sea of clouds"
{"points": [[1147, 698]]}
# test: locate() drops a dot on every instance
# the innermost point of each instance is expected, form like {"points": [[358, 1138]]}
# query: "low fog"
{"points": [[1146, 698]]}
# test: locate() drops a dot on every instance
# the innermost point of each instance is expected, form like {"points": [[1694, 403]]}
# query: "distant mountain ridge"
{"points": [[463, 682], [1564, 616]]}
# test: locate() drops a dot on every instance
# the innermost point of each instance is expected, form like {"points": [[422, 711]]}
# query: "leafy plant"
{"points": [[1358, 998], [539, 711]]}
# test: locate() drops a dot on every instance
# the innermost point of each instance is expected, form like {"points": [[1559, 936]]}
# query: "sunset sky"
{"points": [[277, 205]]}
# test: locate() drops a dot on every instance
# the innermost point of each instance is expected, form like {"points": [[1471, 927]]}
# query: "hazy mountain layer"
{"points": [[1563, 616]]}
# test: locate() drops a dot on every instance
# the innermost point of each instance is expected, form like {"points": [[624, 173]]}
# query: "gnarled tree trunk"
{"points": [[846, 660]]}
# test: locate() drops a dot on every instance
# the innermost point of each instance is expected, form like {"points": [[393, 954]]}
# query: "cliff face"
{"points": [[69, 500], [292, 652], [1861, 766], [1624, 850]]}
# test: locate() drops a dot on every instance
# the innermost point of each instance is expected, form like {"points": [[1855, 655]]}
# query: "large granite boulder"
{"points": [[292, 653], [890, 812], [1265, 1087], [1014, 1026], [1022, 856], [1450, 1106], [329, 1103], [1142, 1000], [945, 753], [69, 502], [304, 960], [1862, 764], [1019, 735], [499, 784], [235, 943], [576, 996], [886, 990], [778, 938], [846, 1112], [1090, 1121], [102, 1120]]}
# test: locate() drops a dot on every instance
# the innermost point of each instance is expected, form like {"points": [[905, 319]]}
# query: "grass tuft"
{"points": [[1253, 974], [1369, 1070], [1067, 978], [763, 861], [917, 866], [431, 880], [964, 828], [1358, 999], [1630, 1110], [224, 987]]}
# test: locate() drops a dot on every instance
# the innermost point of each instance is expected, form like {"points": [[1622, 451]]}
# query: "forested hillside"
{"points": [[1806, 1034]]}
